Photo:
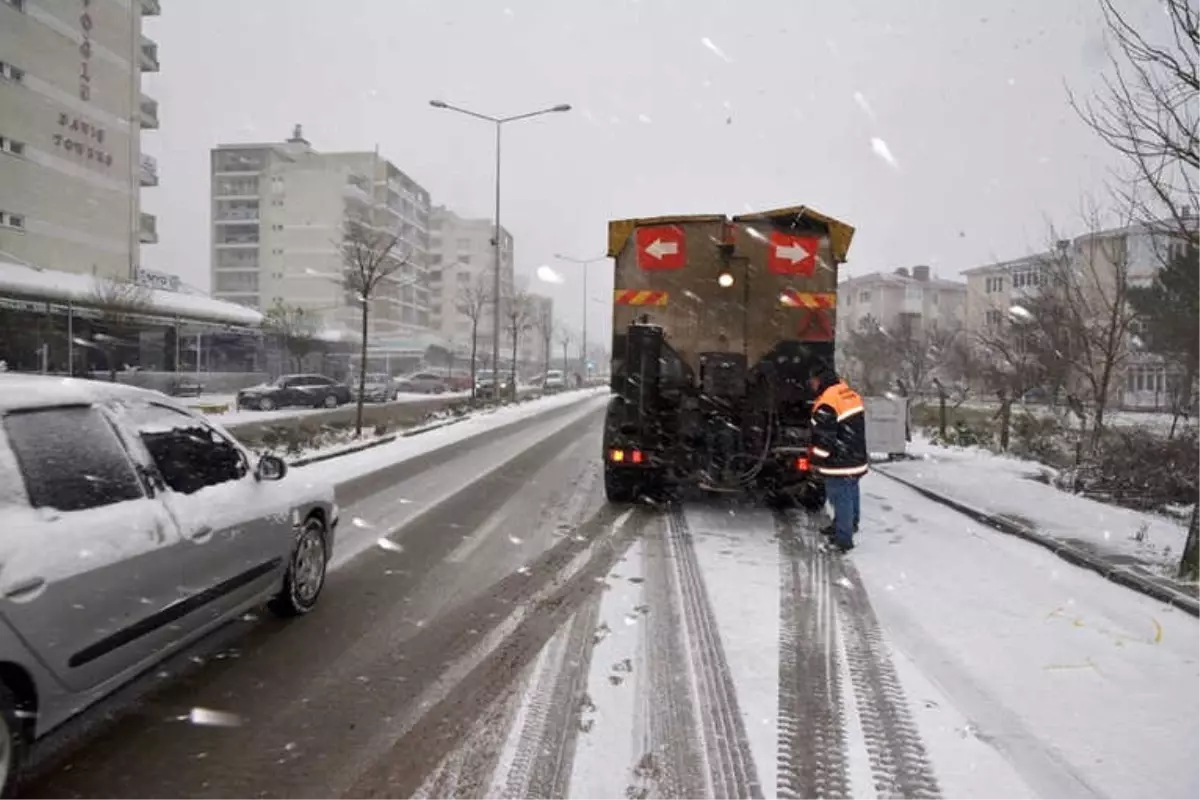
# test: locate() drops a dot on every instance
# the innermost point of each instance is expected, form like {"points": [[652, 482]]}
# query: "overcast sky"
{"points": [[680, 106]]}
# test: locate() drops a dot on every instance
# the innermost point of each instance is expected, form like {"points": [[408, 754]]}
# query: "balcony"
{"points": [[148, 171], [149, 55], [147, 228], [151, 8], [236, 214], [149, 113]]}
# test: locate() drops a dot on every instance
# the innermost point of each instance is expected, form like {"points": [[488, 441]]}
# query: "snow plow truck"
{"points": [[717, 323]]}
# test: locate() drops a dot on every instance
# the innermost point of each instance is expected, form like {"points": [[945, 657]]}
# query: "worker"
{"points": [[839, 449]]}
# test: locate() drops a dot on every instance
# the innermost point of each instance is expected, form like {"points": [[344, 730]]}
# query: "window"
{"points": [[12, 146], [10, 220], [464, 258], [994, 317], [993, 285], [188, 454], [71, 459], [12, 73], [464, 244], [237, 282], [19, 5], [864, 297]]}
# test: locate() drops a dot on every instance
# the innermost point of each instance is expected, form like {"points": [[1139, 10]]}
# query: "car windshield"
{"points": [[611, 398]]}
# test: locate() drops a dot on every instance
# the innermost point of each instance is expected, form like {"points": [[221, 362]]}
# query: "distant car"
{"points": [[555, 381], [315, 391], [423, 383], [185, 387], [132, 527], [379, 388], [485, 384]]}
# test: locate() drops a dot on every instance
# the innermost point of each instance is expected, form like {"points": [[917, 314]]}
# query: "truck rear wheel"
{"points": [[811, 495], [620, 485]]}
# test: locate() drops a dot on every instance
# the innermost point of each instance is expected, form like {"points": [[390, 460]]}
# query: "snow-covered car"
{"points": [[486, 384], [131, 528], [379, 388], [555, 381], [316, 391]]}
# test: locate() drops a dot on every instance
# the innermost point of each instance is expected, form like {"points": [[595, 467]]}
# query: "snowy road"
{"points": [[517, 636]]}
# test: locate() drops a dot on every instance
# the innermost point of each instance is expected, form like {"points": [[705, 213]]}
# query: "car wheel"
{"points": [[13, 743], [305, 573], [330, 401], [266, 404]]}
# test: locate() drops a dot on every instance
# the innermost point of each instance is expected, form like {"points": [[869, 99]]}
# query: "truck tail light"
{"points": [[802, 464], [620, 456]]}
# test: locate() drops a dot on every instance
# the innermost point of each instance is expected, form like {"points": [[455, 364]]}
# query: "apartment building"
{"points": [[901, 298], [71, 116], [462, 257], [279, 212], [1097, 259]]}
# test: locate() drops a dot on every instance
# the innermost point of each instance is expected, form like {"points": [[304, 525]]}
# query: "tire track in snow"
{"points": [[812, 741], [730, 762], [544, 753], [666, 724], [899, 764]]}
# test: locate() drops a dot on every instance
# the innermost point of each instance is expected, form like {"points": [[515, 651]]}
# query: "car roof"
{"points": [[22, 391]]}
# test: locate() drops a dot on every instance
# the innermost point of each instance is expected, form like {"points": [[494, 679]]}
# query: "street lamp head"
{"points": [[437, 103], [561, 107]]}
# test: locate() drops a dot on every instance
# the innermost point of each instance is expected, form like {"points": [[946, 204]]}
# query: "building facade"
{"points": [[901, 298], [71, 116], [1098, 260], [279, 214], [462, 263]]}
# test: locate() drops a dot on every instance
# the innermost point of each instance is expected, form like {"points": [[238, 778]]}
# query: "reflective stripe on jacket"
{"points": [[839, 432]]}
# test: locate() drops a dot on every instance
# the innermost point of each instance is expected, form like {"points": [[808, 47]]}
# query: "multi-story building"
{"points": [[1096, 261], [71, 113], [279, 215], [901, 298], [532, 348], [462, 264]]}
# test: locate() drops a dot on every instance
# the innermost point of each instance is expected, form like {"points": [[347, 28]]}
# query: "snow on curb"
{"points": [[337, 452], [1116, 574]]}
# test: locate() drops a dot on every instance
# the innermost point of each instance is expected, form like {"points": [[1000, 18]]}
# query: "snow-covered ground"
{"points": [[1157, 421], [1003, 485]]}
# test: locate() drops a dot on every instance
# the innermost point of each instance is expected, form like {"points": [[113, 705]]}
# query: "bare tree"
{"points": [[518, 319], [565, 337], [369, 259], [1088, 297], [869, 351], [118, 303], [297, 329], [473, 299], [543, 323], [1147, 112]]}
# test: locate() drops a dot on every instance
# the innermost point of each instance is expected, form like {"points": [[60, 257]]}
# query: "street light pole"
{"points": [[585, 263], [499, 123]]}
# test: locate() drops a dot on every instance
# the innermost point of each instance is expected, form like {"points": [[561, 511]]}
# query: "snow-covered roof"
{"points": [[68, 287], [22, 390]]}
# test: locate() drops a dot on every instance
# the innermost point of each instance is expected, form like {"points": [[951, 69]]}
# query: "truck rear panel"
{"points": [[716, 323]]}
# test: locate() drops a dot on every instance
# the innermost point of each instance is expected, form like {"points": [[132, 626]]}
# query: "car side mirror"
{"points": [[270, 468]]}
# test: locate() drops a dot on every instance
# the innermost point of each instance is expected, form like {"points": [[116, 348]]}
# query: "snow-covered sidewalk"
{"points": [[1010, 488]]}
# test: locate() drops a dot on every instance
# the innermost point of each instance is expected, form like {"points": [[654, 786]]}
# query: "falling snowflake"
{"points": [[387, 544], [707, 42], [216, 719], [881, 149]]}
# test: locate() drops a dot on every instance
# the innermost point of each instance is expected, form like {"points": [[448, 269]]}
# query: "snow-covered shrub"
{"points": [[1042, 439], [1136, 468], [963, 434]]}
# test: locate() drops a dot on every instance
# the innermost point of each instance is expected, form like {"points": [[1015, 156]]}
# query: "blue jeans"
{"points": [[842, 492]]}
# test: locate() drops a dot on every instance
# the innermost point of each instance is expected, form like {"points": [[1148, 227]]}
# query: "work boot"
{"points": [[828, 531], [843, 547]]}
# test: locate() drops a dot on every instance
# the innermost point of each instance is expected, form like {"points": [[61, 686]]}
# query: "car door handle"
{"points": [[201, 534], [25, 588]]}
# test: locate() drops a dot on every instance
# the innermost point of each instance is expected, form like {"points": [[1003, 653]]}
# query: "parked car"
{"points": [[380, 388], [423, 383], [132, 527], [187, 387], [485, 384], [555, 381], [316, 391]]}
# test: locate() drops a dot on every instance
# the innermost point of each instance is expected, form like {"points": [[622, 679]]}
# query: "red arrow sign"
{"points": [[793, 255], [661, 247]]}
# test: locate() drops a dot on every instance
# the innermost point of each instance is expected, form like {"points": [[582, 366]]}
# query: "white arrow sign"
{"points": [[792, 252], [658, 248]]}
